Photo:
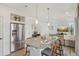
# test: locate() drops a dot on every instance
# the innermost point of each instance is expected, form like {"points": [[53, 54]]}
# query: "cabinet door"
{"points": [[1, 26]]}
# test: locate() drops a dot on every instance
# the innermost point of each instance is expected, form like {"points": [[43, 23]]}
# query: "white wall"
{"points": [[5, 12], [28, 26], [43, 24]]}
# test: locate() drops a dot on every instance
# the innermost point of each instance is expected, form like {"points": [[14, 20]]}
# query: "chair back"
{"points": [[57, 46]]}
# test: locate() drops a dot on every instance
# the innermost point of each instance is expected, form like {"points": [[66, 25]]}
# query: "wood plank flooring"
{"points": [[67, 52]]}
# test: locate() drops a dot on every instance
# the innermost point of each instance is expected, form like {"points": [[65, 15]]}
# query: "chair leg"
{"points": [[26, 51], [61, 52], [42, 54]]}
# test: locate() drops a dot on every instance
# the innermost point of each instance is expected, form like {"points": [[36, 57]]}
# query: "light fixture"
{"points": [[36, 21], [48, 24], [48, 17]]}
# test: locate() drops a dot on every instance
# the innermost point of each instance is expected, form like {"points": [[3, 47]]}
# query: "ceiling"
{"points": [[57, 10]]}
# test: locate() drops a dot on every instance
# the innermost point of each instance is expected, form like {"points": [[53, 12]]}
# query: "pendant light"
{"points": [[48, 24], [48, 17], [36, 21]]}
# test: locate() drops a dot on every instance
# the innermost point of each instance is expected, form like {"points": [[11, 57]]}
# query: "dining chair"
{"points": [[46, 52], [55, 50]]}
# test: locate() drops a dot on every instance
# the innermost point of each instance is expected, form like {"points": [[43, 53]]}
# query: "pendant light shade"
{"points": [[48, 24], [36, 21], [48, 17]]}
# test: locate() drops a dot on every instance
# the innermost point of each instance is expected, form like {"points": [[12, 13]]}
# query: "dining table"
{"points": [[37, 44]]}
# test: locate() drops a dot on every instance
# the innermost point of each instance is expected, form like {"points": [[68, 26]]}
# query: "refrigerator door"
{"points": [[21, 35]]}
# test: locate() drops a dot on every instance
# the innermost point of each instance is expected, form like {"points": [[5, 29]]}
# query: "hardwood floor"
{"points": [[18, 53], [67, 52]]}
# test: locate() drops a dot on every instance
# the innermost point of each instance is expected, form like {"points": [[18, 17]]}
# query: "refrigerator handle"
{"points": [[0, 38]]}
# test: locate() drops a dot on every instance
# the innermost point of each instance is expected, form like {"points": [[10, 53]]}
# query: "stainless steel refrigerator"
{"points": [[17, 36]]}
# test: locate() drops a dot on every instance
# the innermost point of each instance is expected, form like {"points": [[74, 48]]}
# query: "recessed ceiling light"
{"points": [[67, 13], [26, 6]]}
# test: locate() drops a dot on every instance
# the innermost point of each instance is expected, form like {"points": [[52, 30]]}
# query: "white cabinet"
{"points": [[1, 38]]}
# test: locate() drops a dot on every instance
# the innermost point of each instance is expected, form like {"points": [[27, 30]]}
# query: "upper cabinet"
{"points": [[17, 18]]}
